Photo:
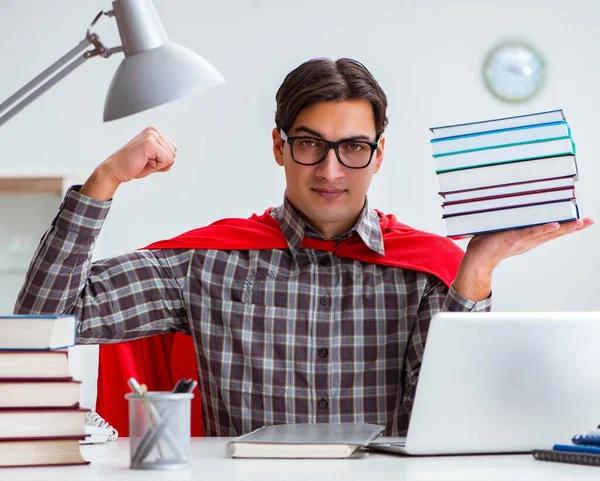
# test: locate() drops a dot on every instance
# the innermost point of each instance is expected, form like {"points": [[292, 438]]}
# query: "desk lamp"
{"points": [[154, 71]]}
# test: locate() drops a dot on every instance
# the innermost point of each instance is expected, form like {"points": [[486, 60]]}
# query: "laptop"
{"points": [[504, 383]]}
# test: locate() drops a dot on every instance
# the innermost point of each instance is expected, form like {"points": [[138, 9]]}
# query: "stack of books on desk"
{"points": [[506, 173], [585, 449], [41, 422]]}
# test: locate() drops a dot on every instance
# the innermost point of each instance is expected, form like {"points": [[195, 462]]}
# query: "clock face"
{"points": [[514, 72]]}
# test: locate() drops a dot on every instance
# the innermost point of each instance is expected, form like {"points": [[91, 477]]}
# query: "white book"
{"points": [[506, 174], [37, 332], [500, 155], [498, 124], [521, 187], [501, 137], [508, 201], [463, 225], [321, 440]]}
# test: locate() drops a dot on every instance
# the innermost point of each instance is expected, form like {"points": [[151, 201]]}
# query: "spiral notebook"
{"points": [[566, 457], [584, 450]]}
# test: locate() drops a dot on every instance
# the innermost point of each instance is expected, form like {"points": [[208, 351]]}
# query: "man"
{"points": [[316, 311]]}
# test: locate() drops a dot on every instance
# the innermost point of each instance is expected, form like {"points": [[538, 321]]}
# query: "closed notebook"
{"points": [[37, 332], [321, 440], [48, 452]]}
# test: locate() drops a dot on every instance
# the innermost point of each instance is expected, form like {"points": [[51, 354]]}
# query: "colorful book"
{"points": [[504, 154], [508, 174], [505, 137], [519, 188], [509, 200], [466, 225], [548, 117]]}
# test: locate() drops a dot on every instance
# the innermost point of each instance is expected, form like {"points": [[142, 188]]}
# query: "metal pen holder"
{"points": [[159, 430]]}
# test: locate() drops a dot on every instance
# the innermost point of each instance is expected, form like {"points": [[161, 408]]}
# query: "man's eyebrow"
{"points": [[308, 130]]}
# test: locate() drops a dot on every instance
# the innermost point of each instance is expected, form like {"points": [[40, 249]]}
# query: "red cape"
{"points": [[150, 360]]}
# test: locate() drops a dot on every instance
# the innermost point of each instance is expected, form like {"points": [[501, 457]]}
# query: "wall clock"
{"points": [[514, 71]]}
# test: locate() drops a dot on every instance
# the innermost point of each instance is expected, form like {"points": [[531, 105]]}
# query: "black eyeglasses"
{"points": [[354, 154]]}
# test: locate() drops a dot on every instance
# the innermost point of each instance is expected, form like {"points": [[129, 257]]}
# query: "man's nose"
{"points": [[330, 168]]}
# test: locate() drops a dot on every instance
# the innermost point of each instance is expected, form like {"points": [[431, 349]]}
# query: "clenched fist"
{"points": [[147, 153]]}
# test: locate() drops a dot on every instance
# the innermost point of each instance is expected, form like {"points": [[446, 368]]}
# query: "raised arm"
{"points": [[125, 297]]}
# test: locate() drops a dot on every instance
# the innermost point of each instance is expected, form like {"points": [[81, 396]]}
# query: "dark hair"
{"points": [[322, 80]]}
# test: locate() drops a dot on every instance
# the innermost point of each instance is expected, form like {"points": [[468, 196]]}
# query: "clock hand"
{"points": [[515, 70]]}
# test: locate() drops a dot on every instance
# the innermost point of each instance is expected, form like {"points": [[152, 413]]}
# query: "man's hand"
{"points": [[486, 251], [149, 152]]}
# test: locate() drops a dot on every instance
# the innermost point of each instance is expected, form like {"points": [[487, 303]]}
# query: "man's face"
{"points": [[329, 195]]}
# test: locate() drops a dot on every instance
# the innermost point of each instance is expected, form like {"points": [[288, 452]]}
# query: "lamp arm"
{"points": [[27, 94]]}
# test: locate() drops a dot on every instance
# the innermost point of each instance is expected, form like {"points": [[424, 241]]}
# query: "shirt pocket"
{"points": [[252, 360], [250, 346]]}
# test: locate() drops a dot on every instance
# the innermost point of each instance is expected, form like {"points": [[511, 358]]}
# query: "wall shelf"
{"points": [[34, 185], [37, 181]]}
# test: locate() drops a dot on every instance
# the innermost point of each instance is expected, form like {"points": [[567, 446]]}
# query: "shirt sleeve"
{"points": [[126, 297], [436, 298]]}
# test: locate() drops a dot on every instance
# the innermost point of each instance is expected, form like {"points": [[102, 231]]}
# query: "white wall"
{"points": [[427, 55]]}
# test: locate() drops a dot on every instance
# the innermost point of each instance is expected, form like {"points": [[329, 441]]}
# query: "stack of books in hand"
{"points": [[506, 173], [41, 422], [585, 449]]}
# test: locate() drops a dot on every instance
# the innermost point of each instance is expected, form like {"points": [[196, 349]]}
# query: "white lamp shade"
{"points": [[157, 76]]}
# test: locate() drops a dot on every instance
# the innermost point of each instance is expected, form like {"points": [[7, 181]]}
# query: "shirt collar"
{"points": [[295, 228]]}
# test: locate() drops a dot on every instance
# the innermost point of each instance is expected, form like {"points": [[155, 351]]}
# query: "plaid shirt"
{"points": [[282, 336]]}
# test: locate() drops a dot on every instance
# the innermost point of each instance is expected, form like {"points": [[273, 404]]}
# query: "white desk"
{"points": [[111, 462]]}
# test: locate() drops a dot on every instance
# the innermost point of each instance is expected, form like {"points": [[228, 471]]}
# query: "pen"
{"points": [[141, 390]]}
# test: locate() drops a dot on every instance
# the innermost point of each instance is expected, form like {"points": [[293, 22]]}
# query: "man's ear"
{"points": [[277, 146], [379, 155]]}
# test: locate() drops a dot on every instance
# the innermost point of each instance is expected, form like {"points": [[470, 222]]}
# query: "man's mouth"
{"points": [[330, 193]]}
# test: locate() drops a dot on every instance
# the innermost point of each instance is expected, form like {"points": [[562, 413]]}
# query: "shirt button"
{"points": [[325, 262], [323, 352], [323, 403], [324, 301]]}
